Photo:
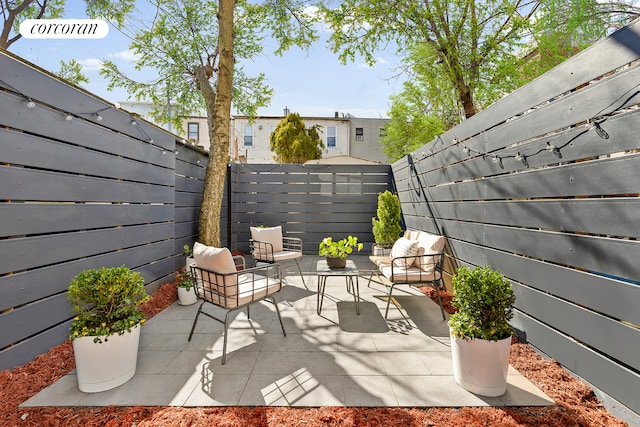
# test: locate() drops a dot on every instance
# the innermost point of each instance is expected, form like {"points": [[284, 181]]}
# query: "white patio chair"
{"points": [[218, 281], [269, 246]]}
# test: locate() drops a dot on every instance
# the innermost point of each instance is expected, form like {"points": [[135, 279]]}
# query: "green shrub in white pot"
{"points": [[106, 329], [480, 330]]}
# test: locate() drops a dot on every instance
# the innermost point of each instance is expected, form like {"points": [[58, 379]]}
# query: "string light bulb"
{"points": [[466, 150], [553, 149], [98, 117], [498, 160], [522, 158], [601, 132], [30, 103], [68, 117], [134, 123]]}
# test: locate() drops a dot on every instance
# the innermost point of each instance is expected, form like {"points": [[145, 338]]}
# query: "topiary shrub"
{"points": [[106, 302], [484, 299], [386, 228]]}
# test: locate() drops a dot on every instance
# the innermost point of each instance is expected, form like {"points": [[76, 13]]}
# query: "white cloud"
{"points": [[125, 55], [91, 64]]}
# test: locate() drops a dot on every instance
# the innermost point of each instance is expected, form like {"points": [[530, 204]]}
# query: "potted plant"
{"points": [[106, 329], [186, 292], [188, 254], [480, 330], [337, 251], [386, 228]]}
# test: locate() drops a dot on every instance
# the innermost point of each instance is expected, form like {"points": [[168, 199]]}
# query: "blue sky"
{"points": [[312, 83]]}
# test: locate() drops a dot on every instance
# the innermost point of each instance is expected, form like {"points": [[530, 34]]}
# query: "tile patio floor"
{"points": [[334, 359]]}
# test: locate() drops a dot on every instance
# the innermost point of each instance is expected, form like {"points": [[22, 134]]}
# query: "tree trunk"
{"points": [[467, 103], [219, 119]]}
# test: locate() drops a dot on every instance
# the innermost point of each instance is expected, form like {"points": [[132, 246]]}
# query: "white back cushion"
{"points": [[404, 247], [271, 235]]}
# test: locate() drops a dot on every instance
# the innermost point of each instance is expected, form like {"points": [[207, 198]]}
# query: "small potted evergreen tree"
{"points": [[480, 330], [386, 228], [106, 329]]}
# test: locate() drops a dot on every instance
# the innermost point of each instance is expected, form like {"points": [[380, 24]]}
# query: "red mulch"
{"points": [[576, 404]]}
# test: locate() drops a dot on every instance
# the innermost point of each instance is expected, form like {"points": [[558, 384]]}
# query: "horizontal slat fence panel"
{"points": [[618, 381], [26, 286], [309, 201], [586, 289], [45, 218], [77, 192], [545, 187], [578, 215]]}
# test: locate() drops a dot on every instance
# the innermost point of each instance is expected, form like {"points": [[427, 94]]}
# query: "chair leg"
{"points": [[300, 271], [274, 302], [193, 328], [389, 300], [226, 333]]}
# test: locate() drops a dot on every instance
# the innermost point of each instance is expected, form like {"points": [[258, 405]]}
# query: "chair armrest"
{"points": [[292, 244], [261, 251], [418, 261], [239, 261], [273, 271]]}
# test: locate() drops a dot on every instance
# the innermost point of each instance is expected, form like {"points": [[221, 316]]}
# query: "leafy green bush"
{"points": [[387, 228], [338, 249], [106, 302], [484, 299]]}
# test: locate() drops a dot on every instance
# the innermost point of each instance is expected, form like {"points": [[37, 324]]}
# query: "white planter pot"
{"points": [[481, 366], [106, 365], [189, 261], [381, 251], [187, 297]]}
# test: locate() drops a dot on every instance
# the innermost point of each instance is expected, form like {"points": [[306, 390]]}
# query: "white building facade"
{"points": [[342, 135]]}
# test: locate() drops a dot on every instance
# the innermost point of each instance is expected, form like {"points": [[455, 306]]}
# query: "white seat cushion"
{"points": [[286, 255], [411, 274]]}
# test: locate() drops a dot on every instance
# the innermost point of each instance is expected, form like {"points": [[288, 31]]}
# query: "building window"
{"points": [[382, 132], [248, 135], [332, 138], [359, 134], [193, 129]]}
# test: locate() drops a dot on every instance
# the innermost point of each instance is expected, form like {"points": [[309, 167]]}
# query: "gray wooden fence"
{"points": [[82, 185], [104, 188], [543, 186], [309, 201]]}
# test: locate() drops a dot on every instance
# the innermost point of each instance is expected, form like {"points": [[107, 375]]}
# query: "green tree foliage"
{"points": [[292, 142], [462, 56], [197, 48], [14, 12], [410, 125], [72, 72], [563, 28], [470, 42]]}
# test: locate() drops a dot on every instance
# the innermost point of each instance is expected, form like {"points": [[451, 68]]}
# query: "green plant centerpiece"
{"points": [[480, 330], [387, 227], [105, 331], [337, 251]]}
